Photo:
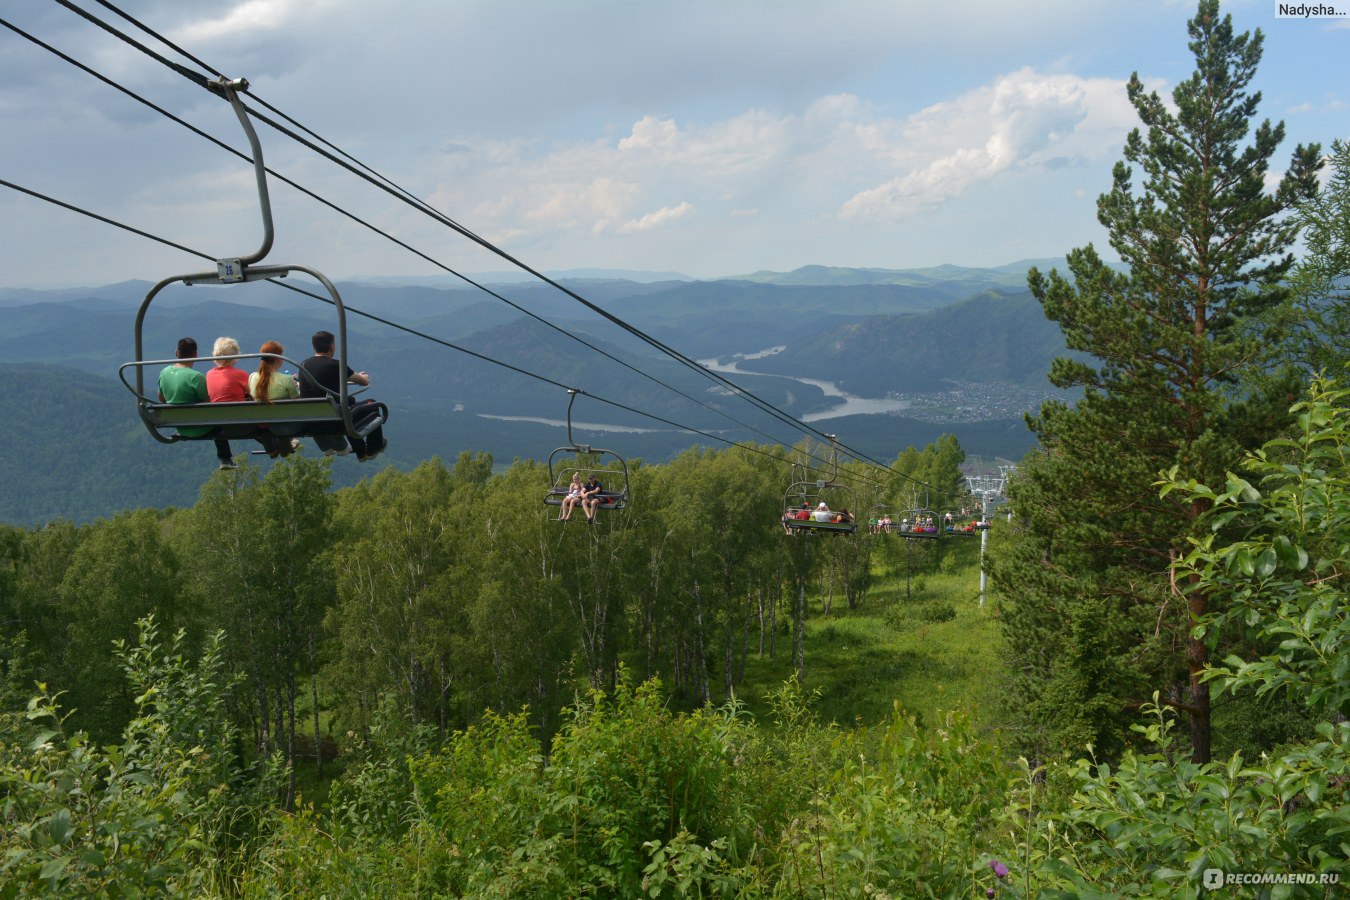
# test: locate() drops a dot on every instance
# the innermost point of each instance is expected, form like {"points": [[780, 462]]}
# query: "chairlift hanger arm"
{"points": [[229, 89], [572, 398]]}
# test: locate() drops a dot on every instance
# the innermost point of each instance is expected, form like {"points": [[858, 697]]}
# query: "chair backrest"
{"points": [[187, 415]]}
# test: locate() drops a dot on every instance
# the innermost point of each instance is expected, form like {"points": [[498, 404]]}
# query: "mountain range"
{"points": [[875, 333]]}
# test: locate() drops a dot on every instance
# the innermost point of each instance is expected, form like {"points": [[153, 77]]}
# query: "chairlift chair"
{"points": [[919, 523], [883, 518], [586, 460], [325, 416], [811, 494]]}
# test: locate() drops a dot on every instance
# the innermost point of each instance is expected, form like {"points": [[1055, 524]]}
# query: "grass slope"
{"points": [[864, 662]]}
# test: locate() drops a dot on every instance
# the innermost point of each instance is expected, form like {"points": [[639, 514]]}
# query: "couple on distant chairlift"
{"points": [[588, 495]]}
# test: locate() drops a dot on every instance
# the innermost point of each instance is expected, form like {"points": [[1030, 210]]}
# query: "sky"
{"points": [[706, 137]]}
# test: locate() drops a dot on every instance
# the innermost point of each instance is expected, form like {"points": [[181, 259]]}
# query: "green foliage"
{"points": [[122, 571], [907, 615], [638, 801], [1090, 622], [147, 815], [256, 556], [1320, 319], [398, 616], [1275, 558], [374, 799], [1152, 825], [1284, 582], [899, 811]]}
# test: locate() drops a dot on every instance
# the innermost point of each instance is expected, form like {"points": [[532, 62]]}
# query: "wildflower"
{"points": [[999, 868], [989, 892]]}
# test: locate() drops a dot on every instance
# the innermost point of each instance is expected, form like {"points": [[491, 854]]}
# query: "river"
{"points": [[848, 405]]}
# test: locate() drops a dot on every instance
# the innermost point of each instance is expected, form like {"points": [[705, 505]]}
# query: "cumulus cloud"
{"points": [[1023, 119], [839, 158], [246, 20], [662, 216]]}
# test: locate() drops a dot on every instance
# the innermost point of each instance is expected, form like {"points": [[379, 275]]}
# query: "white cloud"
{"points": [[660, 217], [859, 132], [1023, 119], [839, 159], [649, 133], [246, 19]]}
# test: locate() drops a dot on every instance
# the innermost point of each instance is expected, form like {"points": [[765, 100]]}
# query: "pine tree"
{"points": [[1092, 622], [1321, 280]]}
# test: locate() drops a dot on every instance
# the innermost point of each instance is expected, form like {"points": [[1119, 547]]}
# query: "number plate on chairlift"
{"points": [[231, 271]]}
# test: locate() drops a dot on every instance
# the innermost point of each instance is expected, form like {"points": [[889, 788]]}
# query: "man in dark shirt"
{"points": [[590, 497], [324, 371]]}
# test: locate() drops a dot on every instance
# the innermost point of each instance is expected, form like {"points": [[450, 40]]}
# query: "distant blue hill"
{"points": [[953, 279]]}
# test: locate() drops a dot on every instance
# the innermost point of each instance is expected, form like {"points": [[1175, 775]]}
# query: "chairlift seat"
{"points": [[812, 525], [241, 418], [927, 535], [608, 499]]}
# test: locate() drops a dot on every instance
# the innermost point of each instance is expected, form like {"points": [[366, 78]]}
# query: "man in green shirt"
{"points": [[181, 383]]}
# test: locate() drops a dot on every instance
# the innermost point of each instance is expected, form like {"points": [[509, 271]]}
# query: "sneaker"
{"points": [[228, 464]]}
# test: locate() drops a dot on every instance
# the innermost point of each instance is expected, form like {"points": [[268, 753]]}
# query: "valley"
{"points": [[809, 349]]}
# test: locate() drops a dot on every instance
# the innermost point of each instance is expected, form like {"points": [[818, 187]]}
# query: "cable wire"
{"points": [[402, 194], [407, 197], [341, 211], [392, 324]]}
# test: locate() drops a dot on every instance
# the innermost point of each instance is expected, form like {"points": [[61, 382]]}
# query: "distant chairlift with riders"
{"points": [[583, 461], [822, 506]]}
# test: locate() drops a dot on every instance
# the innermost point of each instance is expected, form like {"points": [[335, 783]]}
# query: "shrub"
{"points": [[161, 812], [903, 616]]}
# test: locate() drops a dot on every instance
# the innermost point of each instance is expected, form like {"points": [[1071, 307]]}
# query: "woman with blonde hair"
{"points": [[572, 499], [225, 383]]}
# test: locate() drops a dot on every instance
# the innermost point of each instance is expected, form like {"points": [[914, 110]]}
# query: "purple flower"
{"points": [[999, 868], [989, 892]]}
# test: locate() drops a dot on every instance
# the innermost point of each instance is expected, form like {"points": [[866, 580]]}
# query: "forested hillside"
{"points": [[75, 450], [85, 454], [992, 337], [476, 672]]}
